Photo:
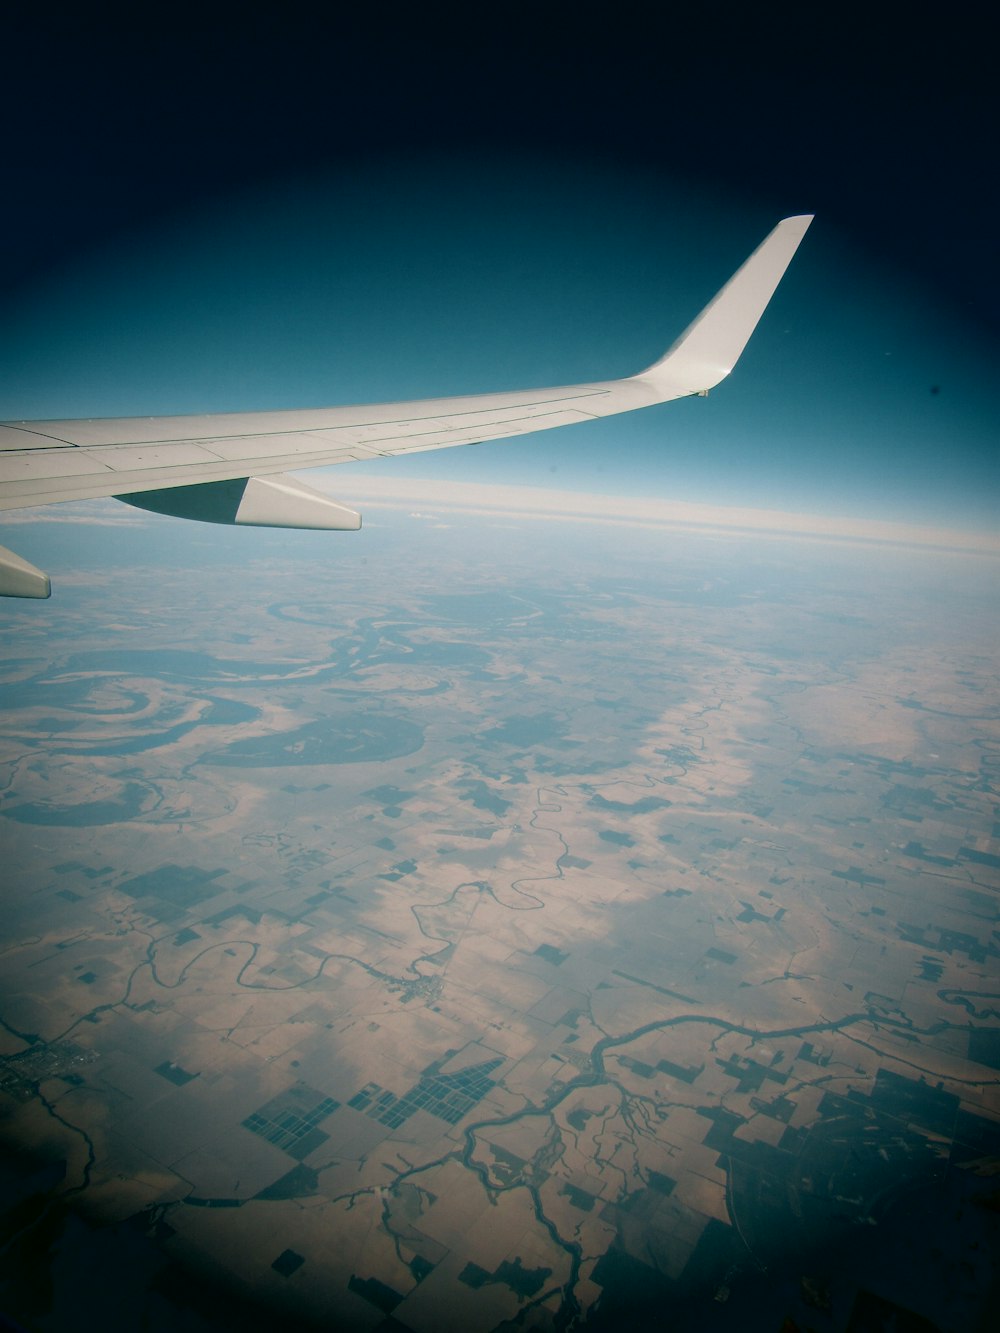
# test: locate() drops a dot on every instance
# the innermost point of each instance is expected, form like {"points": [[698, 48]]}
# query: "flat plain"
{"points": [[563, 931]]}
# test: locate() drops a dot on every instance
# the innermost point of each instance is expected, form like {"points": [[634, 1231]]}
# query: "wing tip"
{"points": [[709, 348], [798, 222]]}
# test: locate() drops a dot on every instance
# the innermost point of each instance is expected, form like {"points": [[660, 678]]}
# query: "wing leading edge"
{"points": [[222, 467]]}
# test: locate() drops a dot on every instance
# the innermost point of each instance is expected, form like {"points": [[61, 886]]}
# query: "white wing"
{"points": [[221, 467]]}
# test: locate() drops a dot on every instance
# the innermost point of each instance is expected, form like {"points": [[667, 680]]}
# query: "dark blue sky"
{"points": [[252, 210]]}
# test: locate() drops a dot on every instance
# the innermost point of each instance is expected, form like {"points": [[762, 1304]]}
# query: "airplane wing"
{"points": [[228, 468]]}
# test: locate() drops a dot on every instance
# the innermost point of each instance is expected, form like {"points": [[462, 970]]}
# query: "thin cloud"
{"points": [[86, 513], [442, 499], [438, 499]]}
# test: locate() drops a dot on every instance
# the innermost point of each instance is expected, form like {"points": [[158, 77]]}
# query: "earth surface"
{"points": [[494, 924]]}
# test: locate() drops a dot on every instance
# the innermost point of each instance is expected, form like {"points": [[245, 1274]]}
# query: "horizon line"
{"points": [[384, 492]]}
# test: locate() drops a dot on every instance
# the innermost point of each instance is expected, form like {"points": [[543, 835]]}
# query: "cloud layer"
{"points": [[439, 498]]}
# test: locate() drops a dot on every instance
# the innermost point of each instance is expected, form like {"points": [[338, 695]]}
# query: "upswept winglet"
{"points": [[708, 349]]}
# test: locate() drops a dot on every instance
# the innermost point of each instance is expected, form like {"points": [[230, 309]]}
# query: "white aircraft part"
{"points": [[708, 349], [258, 502], [42, 462], [283, 502], [19, 578]]}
